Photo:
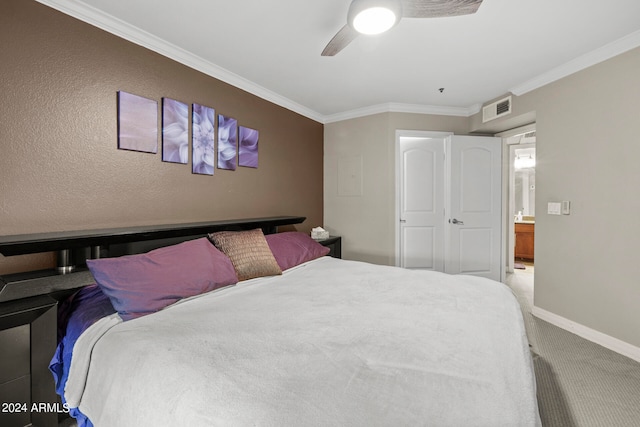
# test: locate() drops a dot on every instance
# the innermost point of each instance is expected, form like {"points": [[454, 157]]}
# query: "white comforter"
{"points": [[328, 343]]}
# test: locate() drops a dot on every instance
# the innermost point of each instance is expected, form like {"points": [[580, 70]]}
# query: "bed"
{"points": [[285, 335]]}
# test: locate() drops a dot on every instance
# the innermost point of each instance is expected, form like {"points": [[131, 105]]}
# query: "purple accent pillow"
{"points": [[293, 247], [138, 285]]}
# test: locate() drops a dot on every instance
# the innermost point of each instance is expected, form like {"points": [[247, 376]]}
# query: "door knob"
{"points": [[455, 221]]}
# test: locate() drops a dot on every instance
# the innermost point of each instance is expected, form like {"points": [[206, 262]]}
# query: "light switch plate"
{"points": [[566, 207], [554, 208]]}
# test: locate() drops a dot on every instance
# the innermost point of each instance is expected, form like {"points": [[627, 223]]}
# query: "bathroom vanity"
{"points": [[524, 248]]}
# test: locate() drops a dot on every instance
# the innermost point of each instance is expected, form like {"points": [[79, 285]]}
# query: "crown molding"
{"points": [[142, 38], [624, 44], [393, 107]]}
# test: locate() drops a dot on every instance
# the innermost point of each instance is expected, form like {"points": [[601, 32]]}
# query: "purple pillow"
{"points": [[138, 285], [293, 247]]}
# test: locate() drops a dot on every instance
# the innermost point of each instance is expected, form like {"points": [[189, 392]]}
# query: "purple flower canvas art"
{"points": [[248, 149], [227, 142], [203, 138], [137, 123], [175, 131]]}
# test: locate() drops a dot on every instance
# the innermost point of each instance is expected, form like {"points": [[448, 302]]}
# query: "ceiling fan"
{"points": [[378, 16]]}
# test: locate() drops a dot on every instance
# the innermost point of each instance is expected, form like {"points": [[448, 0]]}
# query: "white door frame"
{"points": [[508, 204], [508, 225], [398, 177]]}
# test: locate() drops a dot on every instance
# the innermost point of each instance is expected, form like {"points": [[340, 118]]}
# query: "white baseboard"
{"points": [[592, 335]]}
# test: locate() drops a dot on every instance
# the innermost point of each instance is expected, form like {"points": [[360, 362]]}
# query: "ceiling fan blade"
{"points": [[340, 41], [438, 8]]}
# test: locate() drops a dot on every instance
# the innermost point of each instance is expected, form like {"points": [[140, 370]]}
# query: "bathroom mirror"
{"points": [[525, 181]]}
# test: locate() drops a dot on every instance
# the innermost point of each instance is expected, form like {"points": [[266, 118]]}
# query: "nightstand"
{"points": [[334, 243], [27, 342]]}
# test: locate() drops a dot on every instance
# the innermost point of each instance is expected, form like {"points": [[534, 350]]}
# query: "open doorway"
{"points": [[519, 185], [519, 207], [523, 206]]}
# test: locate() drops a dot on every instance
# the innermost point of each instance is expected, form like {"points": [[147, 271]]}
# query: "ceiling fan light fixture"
{"points": [[374, 20], [374, 16]]}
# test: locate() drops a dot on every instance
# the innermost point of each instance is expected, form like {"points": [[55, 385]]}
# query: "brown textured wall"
{"points": [[60, 168]]}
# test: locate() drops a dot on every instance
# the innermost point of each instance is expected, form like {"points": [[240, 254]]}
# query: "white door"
{"points": [[450, 210], [475, 206], [422, 203]]}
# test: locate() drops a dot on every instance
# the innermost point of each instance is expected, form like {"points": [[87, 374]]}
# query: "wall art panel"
{"points": [[248, 147], [203, 138], [175, 131], [137, 123], [227, 142]]}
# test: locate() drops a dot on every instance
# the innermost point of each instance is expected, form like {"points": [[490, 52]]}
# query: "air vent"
{"points": [[496, 109]]}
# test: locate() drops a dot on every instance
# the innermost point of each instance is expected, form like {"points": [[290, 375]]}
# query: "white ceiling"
{"points": [[272, 49]]}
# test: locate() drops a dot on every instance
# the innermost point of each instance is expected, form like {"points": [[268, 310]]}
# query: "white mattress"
{"points": [[328, 343]]}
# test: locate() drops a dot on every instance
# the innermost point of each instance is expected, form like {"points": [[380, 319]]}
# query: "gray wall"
{"points": [[366, 221], [588, 152], [588, 149]]}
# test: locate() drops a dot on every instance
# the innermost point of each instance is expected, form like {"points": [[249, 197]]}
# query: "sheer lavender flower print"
{"points": [[137, 123], [227, 140], [203, 139], [248, 151], [175, 131]]}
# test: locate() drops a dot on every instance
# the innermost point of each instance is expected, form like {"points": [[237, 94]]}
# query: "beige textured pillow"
{"points": [[249, 253]]}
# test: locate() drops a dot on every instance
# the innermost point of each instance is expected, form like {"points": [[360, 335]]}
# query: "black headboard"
{"points": [[74, 247], [28, 300]]}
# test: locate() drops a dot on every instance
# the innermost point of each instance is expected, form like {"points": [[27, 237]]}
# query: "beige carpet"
{"points": [[579, 383]]}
